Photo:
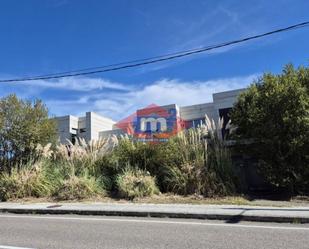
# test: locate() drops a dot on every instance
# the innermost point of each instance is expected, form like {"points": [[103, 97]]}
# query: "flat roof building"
{"points": [[88, 127], [152, 119]]}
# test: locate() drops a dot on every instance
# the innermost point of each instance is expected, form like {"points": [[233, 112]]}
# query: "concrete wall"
{"points": [[225, 99], [193, 112], [66, 126], [93, 126], [96, 123], [87, 127], [220, 101], [106, 134], [82, 128]]}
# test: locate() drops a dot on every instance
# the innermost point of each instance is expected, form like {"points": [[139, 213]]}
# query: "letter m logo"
{"points": [[156, 124]]}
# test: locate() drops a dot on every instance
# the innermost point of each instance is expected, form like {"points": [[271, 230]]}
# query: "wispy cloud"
{"points": [[65, 95], [76, 84], [117, 105], [225, 22], [117, 100]]}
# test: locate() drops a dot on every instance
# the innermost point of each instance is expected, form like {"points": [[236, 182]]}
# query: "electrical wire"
{"points": [[151, 60]]}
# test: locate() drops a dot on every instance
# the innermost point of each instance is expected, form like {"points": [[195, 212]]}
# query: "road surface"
{"points": [[85, 232]]}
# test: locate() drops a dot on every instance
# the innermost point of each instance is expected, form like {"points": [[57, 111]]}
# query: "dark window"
{"points": [[225, 114], [73, 138], [197, 122], [158, 126], [148, 126]]}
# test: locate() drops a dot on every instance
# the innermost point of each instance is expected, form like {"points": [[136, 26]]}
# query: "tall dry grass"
{"points": [[206, 164], [31, 180], [195, 161], [134, 182], [82, 156]]}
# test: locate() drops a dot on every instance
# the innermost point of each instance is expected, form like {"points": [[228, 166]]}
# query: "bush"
{"points": [[134, 183], [23, 124], [29, 181], [186, 164], [83, 156], [107, 168], [47, 178], [204, 164], [273, 113], [145, 156], [82, 187]]}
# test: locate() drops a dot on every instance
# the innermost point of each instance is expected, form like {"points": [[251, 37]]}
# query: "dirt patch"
{"points": [[178, 199]]}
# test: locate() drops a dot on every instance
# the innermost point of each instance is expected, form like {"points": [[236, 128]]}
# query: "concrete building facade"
{"points": [[88, 127], [158, 120]]}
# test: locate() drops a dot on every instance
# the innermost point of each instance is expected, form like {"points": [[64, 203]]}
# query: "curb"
{"points": [[225, 217]]}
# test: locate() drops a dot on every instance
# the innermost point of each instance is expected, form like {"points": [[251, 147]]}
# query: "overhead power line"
{"points": [[151, 60]]}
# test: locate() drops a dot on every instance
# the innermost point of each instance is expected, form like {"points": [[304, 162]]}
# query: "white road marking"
{"points": [[155, 222], [14, 247]]}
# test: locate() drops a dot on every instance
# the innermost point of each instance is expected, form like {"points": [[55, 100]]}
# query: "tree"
{"points": [[274, 113], [23, 125]]}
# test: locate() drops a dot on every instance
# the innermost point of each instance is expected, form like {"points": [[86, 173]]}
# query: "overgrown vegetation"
{"points": [[193, 162], [134, 183], [203, 165], [271, 117], [23, 125], [79, 187], [63, 172], [31, 180], [274, 114]]}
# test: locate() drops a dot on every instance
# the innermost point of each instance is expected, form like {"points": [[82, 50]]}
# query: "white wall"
{"points": [[225, 99], [220, 101], [97, 126], [66, 126], [96, 123], [92, 123], [197, 111]]}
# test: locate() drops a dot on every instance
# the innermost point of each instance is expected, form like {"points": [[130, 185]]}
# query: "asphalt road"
{"points": [[47, 232]]}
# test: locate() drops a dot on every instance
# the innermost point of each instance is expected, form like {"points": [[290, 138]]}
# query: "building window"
{"points": [[225, 114], [197, 122], [148, 126], [73, 138]]}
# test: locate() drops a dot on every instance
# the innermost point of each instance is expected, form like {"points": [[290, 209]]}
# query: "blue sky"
{"points": [[41, 37]]}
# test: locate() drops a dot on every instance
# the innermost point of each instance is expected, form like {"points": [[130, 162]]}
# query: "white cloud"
{"points": [[118, 105], [76, 84]]}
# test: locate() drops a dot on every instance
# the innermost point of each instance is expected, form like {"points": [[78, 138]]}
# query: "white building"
{"points": [[87, 127], [94, 126]]}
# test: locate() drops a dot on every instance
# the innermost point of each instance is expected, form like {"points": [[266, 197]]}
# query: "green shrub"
{"points": [[49, 179], [23, 124], [83, 156], [185, 179], [29, 181], [186, 164], [273, 113], [81, 187], [203, 164], [136, 183], [108, 169], [145, 156]]}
